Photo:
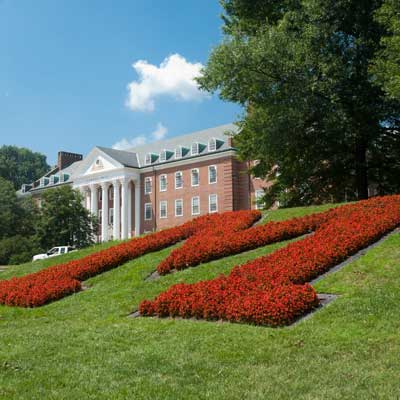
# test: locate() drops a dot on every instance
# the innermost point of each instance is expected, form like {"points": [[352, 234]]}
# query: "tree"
{"points": [[387, 63], [319, 126], [64, 220], [8, 209], [20, 165]]}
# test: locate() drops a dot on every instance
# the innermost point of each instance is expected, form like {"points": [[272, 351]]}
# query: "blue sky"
{"points": [[80, 73]]}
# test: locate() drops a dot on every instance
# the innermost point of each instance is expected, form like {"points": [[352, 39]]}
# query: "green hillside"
{"points": [[86, 347]]}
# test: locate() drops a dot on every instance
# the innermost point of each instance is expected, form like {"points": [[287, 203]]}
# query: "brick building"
{"points": [[157, 185]]}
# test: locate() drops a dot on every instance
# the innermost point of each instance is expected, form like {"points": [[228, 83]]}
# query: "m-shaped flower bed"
{"points": [[272, 290], [56, 282]]}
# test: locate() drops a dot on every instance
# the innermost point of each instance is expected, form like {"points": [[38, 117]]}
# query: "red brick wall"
{"points": [[223, 189]]}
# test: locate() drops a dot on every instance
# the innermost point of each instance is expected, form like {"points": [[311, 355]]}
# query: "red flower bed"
{"points": [[272, 290], [61, 280], [213, 244]]}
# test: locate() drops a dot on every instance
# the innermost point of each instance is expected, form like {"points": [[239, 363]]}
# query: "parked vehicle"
{"points": [[55, 251]]}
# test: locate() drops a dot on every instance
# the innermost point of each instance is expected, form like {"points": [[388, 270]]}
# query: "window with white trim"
{"points": [[178, 180], [148, 183], [111, 192], [148, 212], [178, 208], [178, 152], [259, 195], [212, 144], [195, 177], [163, 183], [163, 209], [163, 156], [212, 174], [148, 159], [212, 203], [111, 216], [194, 149], [100, 216], [196, 205]]}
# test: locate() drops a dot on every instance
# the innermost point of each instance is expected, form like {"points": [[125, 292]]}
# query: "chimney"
{"points": [[65, 159]]}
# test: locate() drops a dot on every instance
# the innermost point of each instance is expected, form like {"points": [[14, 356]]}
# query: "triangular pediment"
{"points": [[96, 162], [101, 164]]}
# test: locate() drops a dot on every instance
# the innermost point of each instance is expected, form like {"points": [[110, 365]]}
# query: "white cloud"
{"points": [[158, 134], [174, 77]]}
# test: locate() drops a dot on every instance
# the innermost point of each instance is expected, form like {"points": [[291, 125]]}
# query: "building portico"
{"points": [[111, 191]]}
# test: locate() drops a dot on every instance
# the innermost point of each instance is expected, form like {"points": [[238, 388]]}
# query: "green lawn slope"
{"points": [[85, 346]]}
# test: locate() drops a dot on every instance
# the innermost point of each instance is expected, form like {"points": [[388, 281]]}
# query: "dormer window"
{"points": [[195, 149], [44, 181], [178, 152], [150, 158], [165, 155], [212, 145]]}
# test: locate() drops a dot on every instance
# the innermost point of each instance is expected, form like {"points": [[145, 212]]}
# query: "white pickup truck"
{"points": [[55, 251]]}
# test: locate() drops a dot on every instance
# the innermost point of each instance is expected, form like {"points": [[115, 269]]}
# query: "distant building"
{"points": [[157, 185]]}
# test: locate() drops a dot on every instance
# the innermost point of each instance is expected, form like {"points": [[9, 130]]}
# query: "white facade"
{"points": [[97, 174]]}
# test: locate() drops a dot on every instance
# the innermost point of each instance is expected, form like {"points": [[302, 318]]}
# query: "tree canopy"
{"points": [[387, 63], [315, 119], [64, 220], [21, 165]]}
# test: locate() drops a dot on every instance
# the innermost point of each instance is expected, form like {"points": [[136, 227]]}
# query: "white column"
{"points": [[104, 212], [93, 199], [117, 209], [137, 207], [124, 209], [129, 210]]}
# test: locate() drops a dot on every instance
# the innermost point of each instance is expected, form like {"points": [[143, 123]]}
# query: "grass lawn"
{"points": [[85, 346]]}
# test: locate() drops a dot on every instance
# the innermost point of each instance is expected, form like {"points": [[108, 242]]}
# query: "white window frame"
{"points": [[163, 156], [209, 203], [148, 159], [196, 152], [100, 216], [111, 216], [258, 206], [176, 173], [162, 202], [166, 182], [176, 201], [214, 141], [146, 205], [178, 152], [111, 192], [198, 176], [209, 175], [148, 179], [198, 212]]}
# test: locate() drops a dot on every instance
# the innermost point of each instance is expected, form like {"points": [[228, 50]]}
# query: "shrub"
{"points": [[272, 290], [61, 280]]}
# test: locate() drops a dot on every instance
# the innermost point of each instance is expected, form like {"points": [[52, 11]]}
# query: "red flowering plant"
{"points": [[273, 290], [215, 243], [58, 281]]}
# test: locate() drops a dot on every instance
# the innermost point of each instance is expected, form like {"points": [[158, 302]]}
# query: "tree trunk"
{"points": [[361, 170]]}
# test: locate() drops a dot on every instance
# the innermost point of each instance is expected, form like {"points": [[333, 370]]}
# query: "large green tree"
{"points": [[314, 118], [64, 220], [21, 165], [8, 209], [387, 63], [19, 219]]}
